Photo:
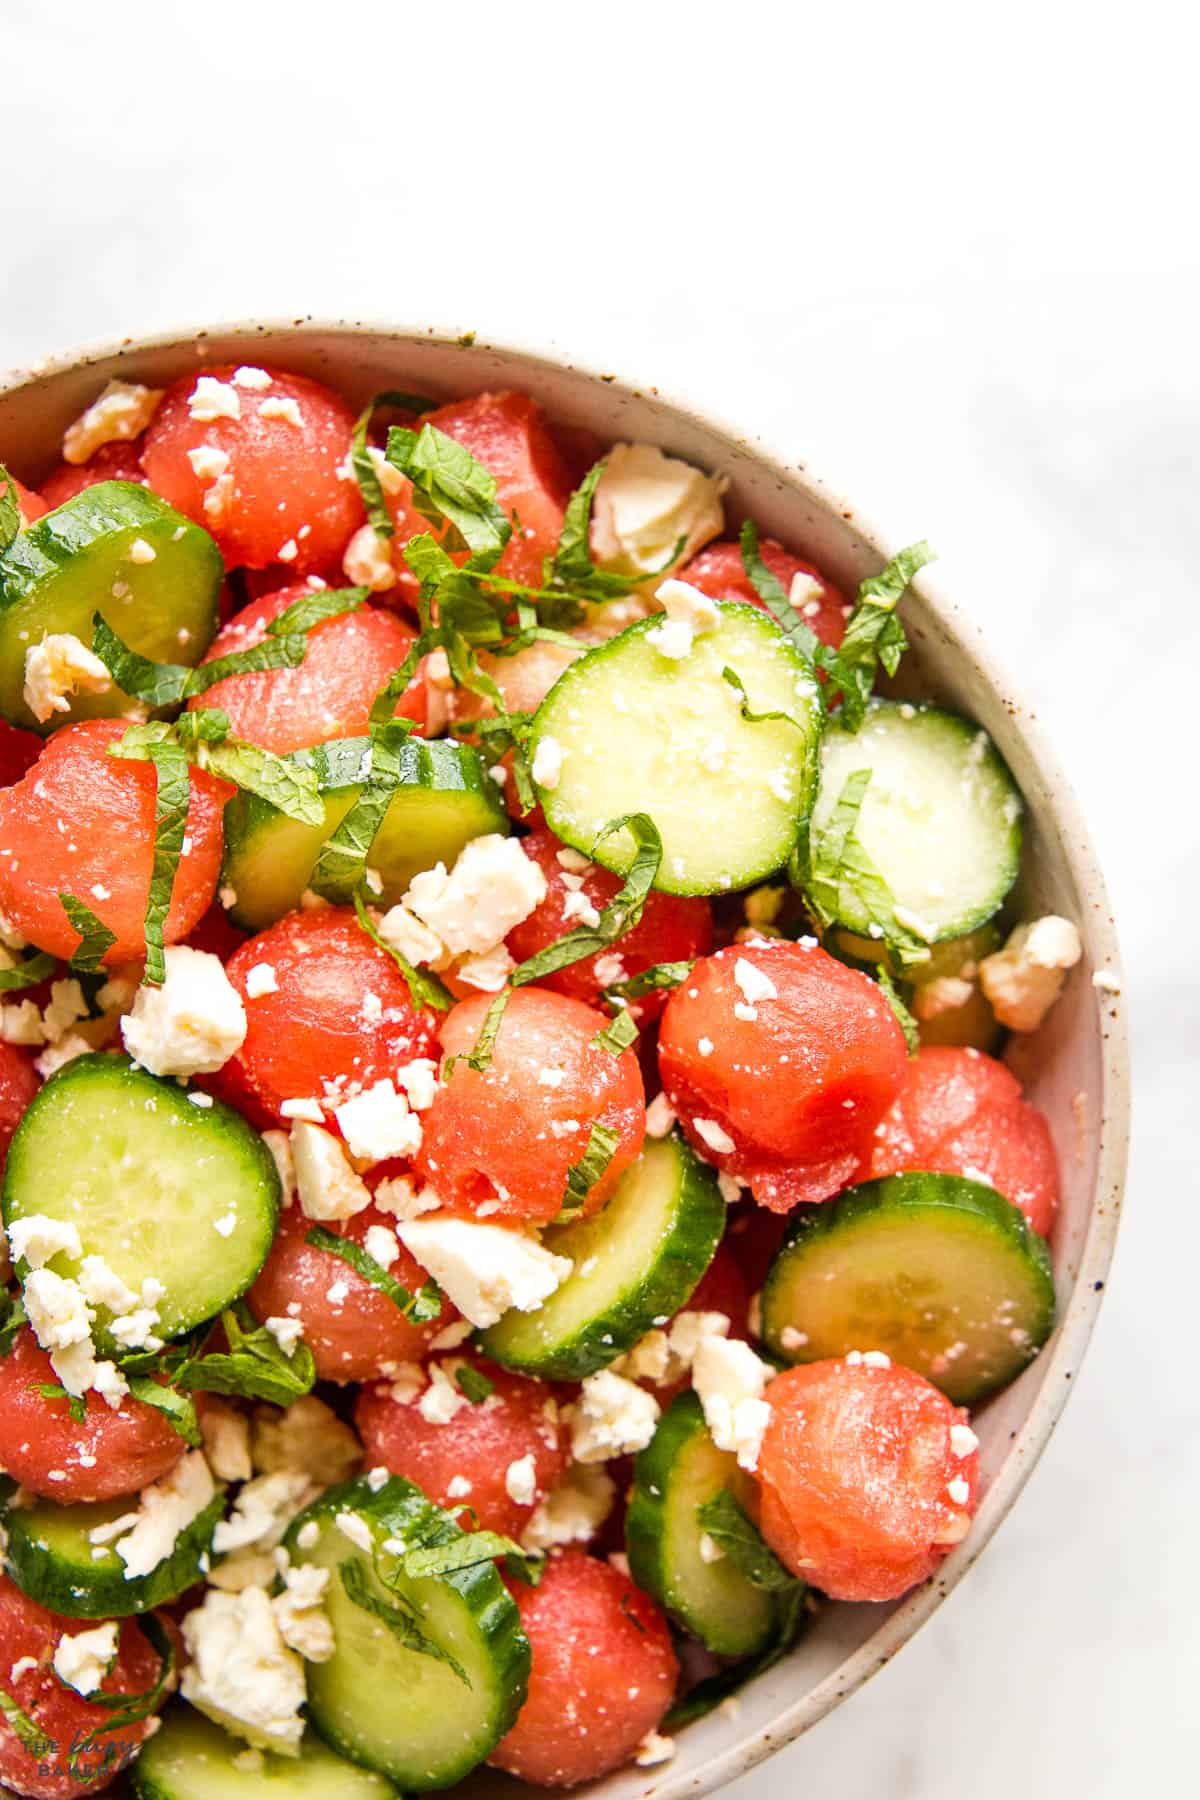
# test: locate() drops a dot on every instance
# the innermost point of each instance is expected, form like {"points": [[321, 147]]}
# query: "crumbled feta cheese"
{"points": [[959, 1490], [946, 993], [368, 561], [547, 763], [747, 1013], [710, 1550], [260, 980], [121, 412], [307, 1108], [241, 1673], [193, 1023], [419, 1079], [400, 1196], [83, 1660], [660, 1117], [58, 1055], [452, 1336], [21, 1023], [715, 1136], [378, 1124], [730, 1381], [573, 1511], [484, 1269], [382, 1244], [487, 973], [286, 1332], [37, 1237], [1024, 979], [353, 1526], [327, 1185], [403, 931], [520, 1480], [458, 1488], [212, 399], [868, 1359], [338, 1293], [281, 407], [305, 1438], [755, 985], [208, 463], [578, 906], [493, 887], [24, 1665], [262, 1511], [62, 1321], [226, 1434], [280, 1146], [165, 1509], [963, 1441], [59, 666], [303, 1622], [791, 1339], [645, 503], [250, 377], [442, 1399], [653, 1750], [613, 1417]]}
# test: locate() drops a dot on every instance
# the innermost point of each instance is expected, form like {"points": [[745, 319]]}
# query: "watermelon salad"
{"points": [[511, 1195]]}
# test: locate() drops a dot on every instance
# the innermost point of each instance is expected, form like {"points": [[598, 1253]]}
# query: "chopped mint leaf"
{"points": [[342, 865], [619, 1034], [29, 973], [363, 463], [424, 988], [400, 1621], [54, 1390], [12, 1318], [473, 1383], [450, 487], [657, 977], [420, 1307], [10, 510], [836, 860], [171, 795], [254, 1367], [95, 939], [178, 1409], [732, 1529], [465, 1552], [904, 1018], [583, 1175]]}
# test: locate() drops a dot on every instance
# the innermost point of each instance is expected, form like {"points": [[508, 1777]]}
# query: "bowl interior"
{"points": [[1075, 1067]]}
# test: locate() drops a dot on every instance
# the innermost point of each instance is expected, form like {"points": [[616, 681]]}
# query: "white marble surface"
{"points": [[946, 254]]}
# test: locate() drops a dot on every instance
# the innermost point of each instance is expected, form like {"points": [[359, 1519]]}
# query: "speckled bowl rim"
{"points": [[1061, 1359]]}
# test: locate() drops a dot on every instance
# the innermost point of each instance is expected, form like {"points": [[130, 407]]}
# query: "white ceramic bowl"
{"points": [[1076, 1067]]}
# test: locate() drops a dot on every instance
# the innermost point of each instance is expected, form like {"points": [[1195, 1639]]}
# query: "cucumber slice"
{"points": [[159, 1188], [636, 1262], [941, 819], [190, 1758], [680, 1469], [76, 561], [446, 797], [405, 1712], [640, 732], [942, 1273], [51, 1558]]}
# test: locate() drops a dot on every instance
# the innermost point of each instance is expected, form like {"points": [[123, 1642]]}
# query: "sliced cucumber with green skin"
{"points": [[941, 818], [404, 1712], [190, 1758], [446, 797], [185, 1195], [76, 561], [636, 1263], [942, 1273], [680, 1469], [642, 732], [51, 1558]]}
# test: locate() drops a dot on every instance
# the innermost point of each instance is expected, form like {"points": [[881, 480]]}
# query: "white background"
{"points": [[948, 254]]}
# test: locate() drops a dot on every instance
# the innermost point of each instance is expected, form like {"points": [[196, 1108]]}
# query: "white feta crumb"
{"points": [[714, 1135], [226, 1434], [730, 1381], [306, 1438], [247, 376], [612, 1417], [403, 931], [281, 407], [1024, 979], [303, 1623], [367, 561], [208, 463], [963, 1441], [165, 1509], [286, 1332], [754, 983], [192, 1024], [653, 1750], [241, 1673], [212, 399], [381, 1245], [493, 887], [121, 413], [959, 1490], [645, 503], [660, 1117], [458, 1488], [573, 861], [83, 1660], [710, 1550], [400, 1196], [37, 1237], [260, 980], [57, 667], [520, 1480], [307, 1109], [378, 1123], [546, 768], [328, 1187], [573, 1511], [487, 973], [484, 1269]]}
